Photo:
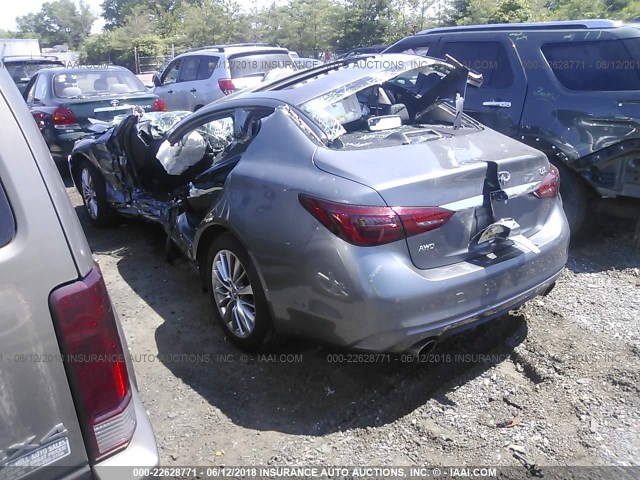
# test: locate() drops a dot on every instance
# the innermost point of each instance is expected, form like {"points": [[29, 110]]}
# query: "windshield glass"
{"points": [[80, 84], [23, 71], [406, 89]]}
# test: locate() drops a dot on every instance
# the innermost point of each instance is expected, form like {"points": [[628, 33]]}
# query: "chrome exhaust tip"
{"points": [[549, 289], [423, 347]]}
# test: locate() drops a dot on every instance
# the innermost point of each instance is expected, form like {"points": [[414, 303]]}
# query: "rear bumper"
{"points": [[403, 339], [379, 301], [140, 456], [61, 144]]}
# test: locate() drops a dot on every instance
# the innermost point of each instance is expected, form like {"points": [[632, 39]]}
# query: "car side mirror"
{"points": [[384, 122], [156, 79]]}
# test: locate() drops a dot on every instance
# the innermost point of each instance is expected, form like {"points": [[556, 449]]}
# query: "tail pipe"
{"points": [[423, 347], [548, 290]]}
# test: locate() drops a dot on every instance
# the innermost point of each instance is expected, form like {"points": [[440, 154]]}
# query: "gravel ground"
{"points": [[554, 383]]}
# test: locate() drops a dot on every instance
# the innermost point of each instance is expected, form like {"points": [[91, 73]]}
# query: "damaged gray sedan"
{"points": [[352, 203]]}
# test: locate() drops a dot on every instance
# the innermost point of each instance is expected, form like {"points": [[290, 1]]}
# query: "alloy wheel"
{"points": [[89, 193], [233, 293]]}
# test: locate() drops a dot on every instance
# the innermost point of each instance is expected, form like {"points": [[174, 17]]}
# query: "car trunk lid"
{"points": [[481, 175], [106, 108]]}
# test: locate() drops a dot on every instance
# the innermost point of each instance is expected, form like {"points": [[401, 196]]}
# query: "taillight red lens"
{"points": [[159, 105], [40, 118], [95, 362], [550, 184], [422, 219], [64, 117], [365, 225], [226, 85]]}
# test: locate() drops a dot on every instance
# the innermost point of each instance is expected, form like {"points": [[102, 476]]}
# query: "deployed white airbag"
{"points": [[187, 152]]}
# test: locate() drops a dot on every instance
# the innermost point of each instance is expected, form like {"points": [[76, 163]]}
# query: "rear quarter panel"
{"points": [[260, 206]]}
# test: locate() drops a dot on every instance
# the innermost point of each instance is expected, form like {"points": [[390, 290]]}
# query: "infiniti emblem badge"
{"points": [[504, 177], [115, 103]]}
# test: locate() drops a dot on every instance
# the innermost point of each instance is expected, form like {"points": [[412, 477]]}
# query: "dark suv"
{"points": [[570, 89]]}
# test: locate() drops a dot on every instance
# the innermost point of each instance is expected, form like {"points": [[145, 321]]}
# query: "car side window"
{"points": [[207, 66], [598, 65], [190, 66], [40, 90], [31, 90], [249, 121], [219, 135], [170, 75], [7, 221], [488, 58]]}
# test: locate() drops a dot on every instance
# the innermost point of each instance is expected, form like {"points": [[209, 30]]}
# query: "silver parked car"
{"points": [[201, 76], [352, 203], [69, 405]]}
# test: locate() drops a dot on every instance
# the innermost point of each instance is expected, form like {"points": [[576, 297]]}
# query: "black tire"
{"points": [[575, 198], [262, 335], [100, 213]]}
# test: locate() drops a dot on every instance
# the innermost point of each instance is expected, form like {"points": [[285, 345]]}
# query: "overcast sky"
{"points": [[15, 8]]}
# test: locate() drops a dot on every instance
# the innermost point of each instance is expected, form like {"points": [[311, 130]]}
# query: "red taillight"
{"points": [[422, 219], [63, 117], [368, 225], [40, 118], [550, 184], [226, 85], [95, 362], [159, 105]]}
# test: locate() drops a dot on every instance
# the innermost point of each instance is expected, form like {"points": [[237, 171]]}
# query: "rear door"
{"points": [[38, 421], [499, 101]]}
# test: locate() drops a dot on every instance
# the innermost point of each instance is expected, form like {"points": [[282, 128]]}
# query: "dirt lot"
{"points": [[555, 383]]}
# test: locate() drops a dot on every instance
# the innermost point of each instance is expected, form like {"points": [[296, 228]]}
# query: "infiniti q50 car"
{"points": [[353, 203]]}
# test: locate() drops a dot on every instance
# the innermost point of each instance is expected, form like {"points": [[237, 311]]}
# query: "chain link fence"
{"points": [[145, 64]]}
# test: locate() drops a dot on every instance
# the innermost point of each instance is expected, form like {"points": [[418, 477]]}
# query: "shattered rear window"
{"points": [[343, 105]]}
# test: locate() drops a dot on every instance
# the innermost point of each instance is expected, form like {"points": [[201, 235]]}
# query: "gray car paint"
{"points": [[366, 298], [49, 249], [374, 298]]}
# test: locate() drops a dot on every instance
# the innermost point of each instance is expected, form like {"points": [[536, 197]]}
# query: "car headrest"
{"points": [[100, 85], [119, 88], [400, 109], [71, 92]]}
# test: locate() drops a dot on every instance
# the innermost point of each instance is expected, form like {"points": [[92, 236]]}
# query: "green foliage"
{"points": [[631, 10], [579, 9], [501, 11], [58, 22], [155, 27]]}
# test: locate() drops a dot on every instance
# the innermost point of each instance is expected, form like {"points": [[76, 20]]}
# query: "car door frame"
{"points": [[497, 108], [187, 91], [167, 91]]}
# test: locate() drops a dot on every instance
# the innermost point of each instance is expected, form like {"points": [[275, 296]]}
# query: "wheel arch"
{"points": [[208, 234], [75, 161]]}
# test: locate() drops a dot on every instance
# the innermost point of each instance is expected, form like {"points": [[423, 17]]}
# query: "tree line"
{"points": [[157, 27]]}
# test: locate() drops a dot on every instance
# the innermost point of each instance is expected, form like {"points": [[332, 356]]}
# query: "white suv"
{"points": [[201, 76]]}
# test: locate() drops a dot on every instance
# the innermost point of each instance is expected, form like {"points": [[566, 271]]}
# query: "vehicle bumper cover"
{"points": [[140, 455], [379, 301]]}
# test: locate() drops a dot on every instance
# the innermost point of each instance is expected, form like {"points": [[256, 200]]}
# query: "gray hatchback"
{"points": [[353, 203]]}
